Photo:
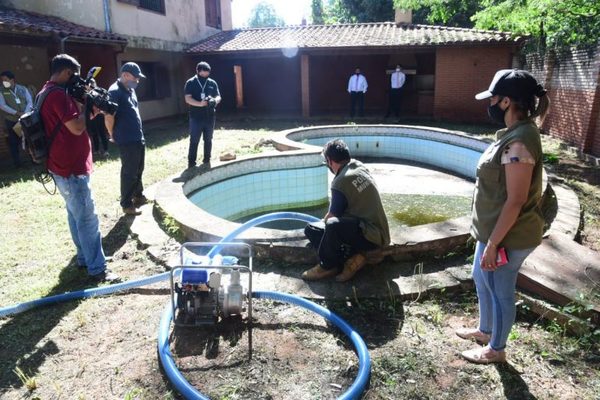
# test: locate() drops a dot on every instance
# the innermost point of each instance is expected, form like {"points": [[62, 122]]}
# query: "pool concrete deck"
{"points": [[560, 270]]}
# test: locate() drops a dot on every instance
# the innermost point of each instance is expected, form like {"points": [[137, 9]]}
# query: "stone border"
{"points": [[199, 225]]}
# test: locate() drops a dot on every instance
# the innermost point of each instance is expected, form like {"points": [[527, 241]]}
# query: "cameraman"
{"points": [[202, 95], [70, 163], [125, 129]]}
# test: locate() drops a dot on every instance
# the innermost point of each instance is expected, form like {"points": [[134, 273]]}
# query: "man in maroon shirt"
{"points": [[70, 163]]}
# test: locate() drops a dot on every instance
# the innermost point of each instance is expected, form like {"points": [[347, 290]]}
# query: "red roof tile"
{"points": [[29, 22], [380, 34]]}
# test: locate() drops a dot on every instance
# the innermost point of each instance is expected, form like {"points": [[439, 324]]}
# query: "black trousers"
{"points": [[132, 168], [97, 131], [337, 240], [14, 142], [201, 127], [394, 102], [357, 98]]}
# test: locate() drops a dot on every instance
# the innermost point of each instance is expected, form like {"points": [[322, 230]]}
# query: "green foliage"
{"points": [[551, 158], [553, 24], [264, 15], [352, 11], [444, 12], [317, 12]]}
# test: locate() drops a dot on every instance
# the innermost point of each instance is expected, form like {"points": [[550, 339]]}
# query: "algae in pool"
{"points": [[402, 210]]}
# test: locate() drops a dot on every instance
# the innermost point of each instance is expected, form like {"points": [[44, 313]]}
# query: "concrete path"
{"points": [[559, 270]]}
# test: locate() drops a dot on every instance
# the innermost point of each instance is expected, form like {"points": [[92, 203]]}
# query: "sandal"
{"points": [[473, 334], [484, 355]]}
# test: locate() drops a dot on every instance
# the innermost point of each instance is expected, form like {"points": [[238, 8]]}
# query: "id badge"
{"points": [[17, 100], [202, 96]]}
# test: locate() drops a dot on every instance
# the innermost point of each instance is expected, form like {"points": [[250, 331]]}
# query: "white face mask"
{"points": [[397, 69], [6, 84]]}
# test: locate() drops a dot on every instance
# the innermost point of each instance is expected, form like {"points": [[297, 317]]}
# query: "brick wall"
{"points": [[572, 80], [460, 74]]}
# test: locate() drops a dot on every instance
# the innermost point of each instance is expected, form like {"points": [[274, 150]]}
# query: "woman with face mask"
{"points": [[507, 219]]}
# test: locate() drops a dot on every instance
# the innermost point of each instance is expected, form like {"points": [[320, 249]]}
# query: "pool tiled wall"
{"points": [[297, 178]]}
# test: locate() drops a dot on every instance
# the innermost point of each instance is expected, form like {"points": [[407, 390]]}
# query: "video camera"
{"points": [[83, 90]]}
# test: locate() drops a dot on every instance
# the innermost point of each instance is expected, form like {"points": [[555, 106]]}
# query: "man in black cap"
{"points": [[125, 129], [202, 95]]}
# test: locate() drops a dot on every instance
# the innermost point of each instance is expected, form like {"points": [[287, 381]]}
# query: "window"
{"points": [[152, 5], [213, 13], [157, 84]]}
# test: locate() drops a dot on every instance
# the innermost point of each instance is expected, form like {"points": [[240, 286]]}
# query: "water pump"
{"points": [[207, 288]]}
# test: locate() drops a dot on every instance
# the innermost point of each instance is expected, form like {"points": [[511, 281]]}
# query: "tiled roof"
{"points": [[33, 23], [380, 34]]}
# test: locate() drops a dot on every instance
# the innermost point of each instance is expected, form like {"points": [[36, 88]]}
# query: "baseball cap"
{"points": [[514, 83], [133, 69], [203, 66]]}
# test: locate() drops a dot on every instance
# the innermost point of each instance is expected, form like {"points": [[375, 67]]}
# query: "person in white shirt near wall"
{"points": [[397, 82], [357, 87]]}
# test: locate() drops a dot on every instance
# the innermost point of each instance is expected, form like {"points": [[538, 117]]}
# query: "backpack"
{"points": [[34, 133]]}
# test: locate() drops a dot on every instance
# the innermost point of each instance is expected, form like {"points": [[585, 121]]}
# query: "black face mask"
{"points": [[496, 114]]}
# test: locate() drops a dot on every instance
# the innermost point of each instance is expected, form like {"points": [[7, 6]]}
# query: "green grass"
{"points": [[37, 247]]}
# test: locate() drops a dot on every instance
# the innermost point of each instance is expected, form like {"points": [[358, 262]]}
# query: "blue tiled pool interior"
{"points": [[242, 194]]}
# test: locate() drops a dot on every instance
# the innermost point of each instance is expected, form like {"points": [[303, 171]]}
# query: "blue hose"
{"points": [[82, 294], [261, 220], [176, 378], [189, 392]]}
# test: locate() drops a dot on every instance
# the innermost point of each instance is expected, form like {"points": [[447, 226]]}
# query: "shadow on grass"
{"points": [[22, 338]]}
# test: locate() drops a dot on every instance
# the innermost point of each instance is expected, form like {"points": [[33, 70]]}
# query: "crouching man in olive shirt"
{"points": [[355, 223]]}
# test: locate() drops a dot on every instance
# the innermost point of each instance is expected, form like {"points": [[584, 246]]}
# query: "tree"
{"points": [[345, 11], [552, 23], [441, 12], [264, 15], [317, 12]]}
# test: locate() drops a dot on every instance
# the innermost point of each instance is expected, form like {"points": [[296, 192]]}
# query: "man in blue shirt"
{"points": [[125, 129], [202, 95]]}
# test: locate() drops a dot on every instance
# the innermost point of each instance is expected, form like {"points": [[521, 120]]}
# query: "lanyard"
{"points": [[205, 83]]}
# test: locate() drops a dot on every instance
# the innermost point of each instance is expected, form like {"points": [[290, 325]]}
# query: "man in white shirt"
{"points": [[357, 87], [397, 81]]}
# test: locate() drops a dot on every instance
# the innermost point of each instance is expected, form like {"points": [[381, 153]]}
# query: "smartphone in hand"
{"points": [[501, 258]]}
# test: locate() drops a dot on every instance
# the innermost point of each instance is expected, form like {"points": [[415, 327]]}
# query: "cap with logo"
{"points": [[133, 69], [513, 83]]}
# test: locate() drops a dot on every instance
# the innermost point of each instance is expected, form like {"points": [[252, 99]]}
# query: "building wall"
{"points": [[461, 73], [173, 63], [573, 83], [183, 22]]}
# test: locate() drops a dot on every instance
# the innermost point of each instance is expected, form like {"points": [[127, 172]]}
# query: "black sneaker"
{"points": [[106, 276]]}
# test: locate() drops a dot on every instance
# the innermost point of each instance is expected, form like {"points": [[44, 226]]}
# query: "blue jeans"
{"points": [[496, 293], [83, 221]]}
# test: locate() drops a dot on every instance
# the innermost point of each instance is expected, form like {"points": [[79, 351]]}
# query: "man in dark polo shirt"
{"points": [[355, 223], [202, 95], [70, 163], [125, 129]]}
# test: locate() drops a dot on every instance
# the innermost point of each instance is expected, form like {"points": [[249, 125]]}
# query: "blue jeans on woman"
{"points": [[83, 221], [496, 293]]}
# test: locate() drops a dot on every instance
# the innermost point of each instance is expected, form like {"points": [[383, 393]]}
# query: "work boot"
{"points": [[317, 273], [139, 201], [351, 267], [131, 211]]}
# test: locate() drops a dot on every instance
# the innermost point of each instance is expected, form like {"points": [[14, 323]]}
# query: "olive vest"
{"points": [[364, 203], [490, 190], [11, 101]]}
